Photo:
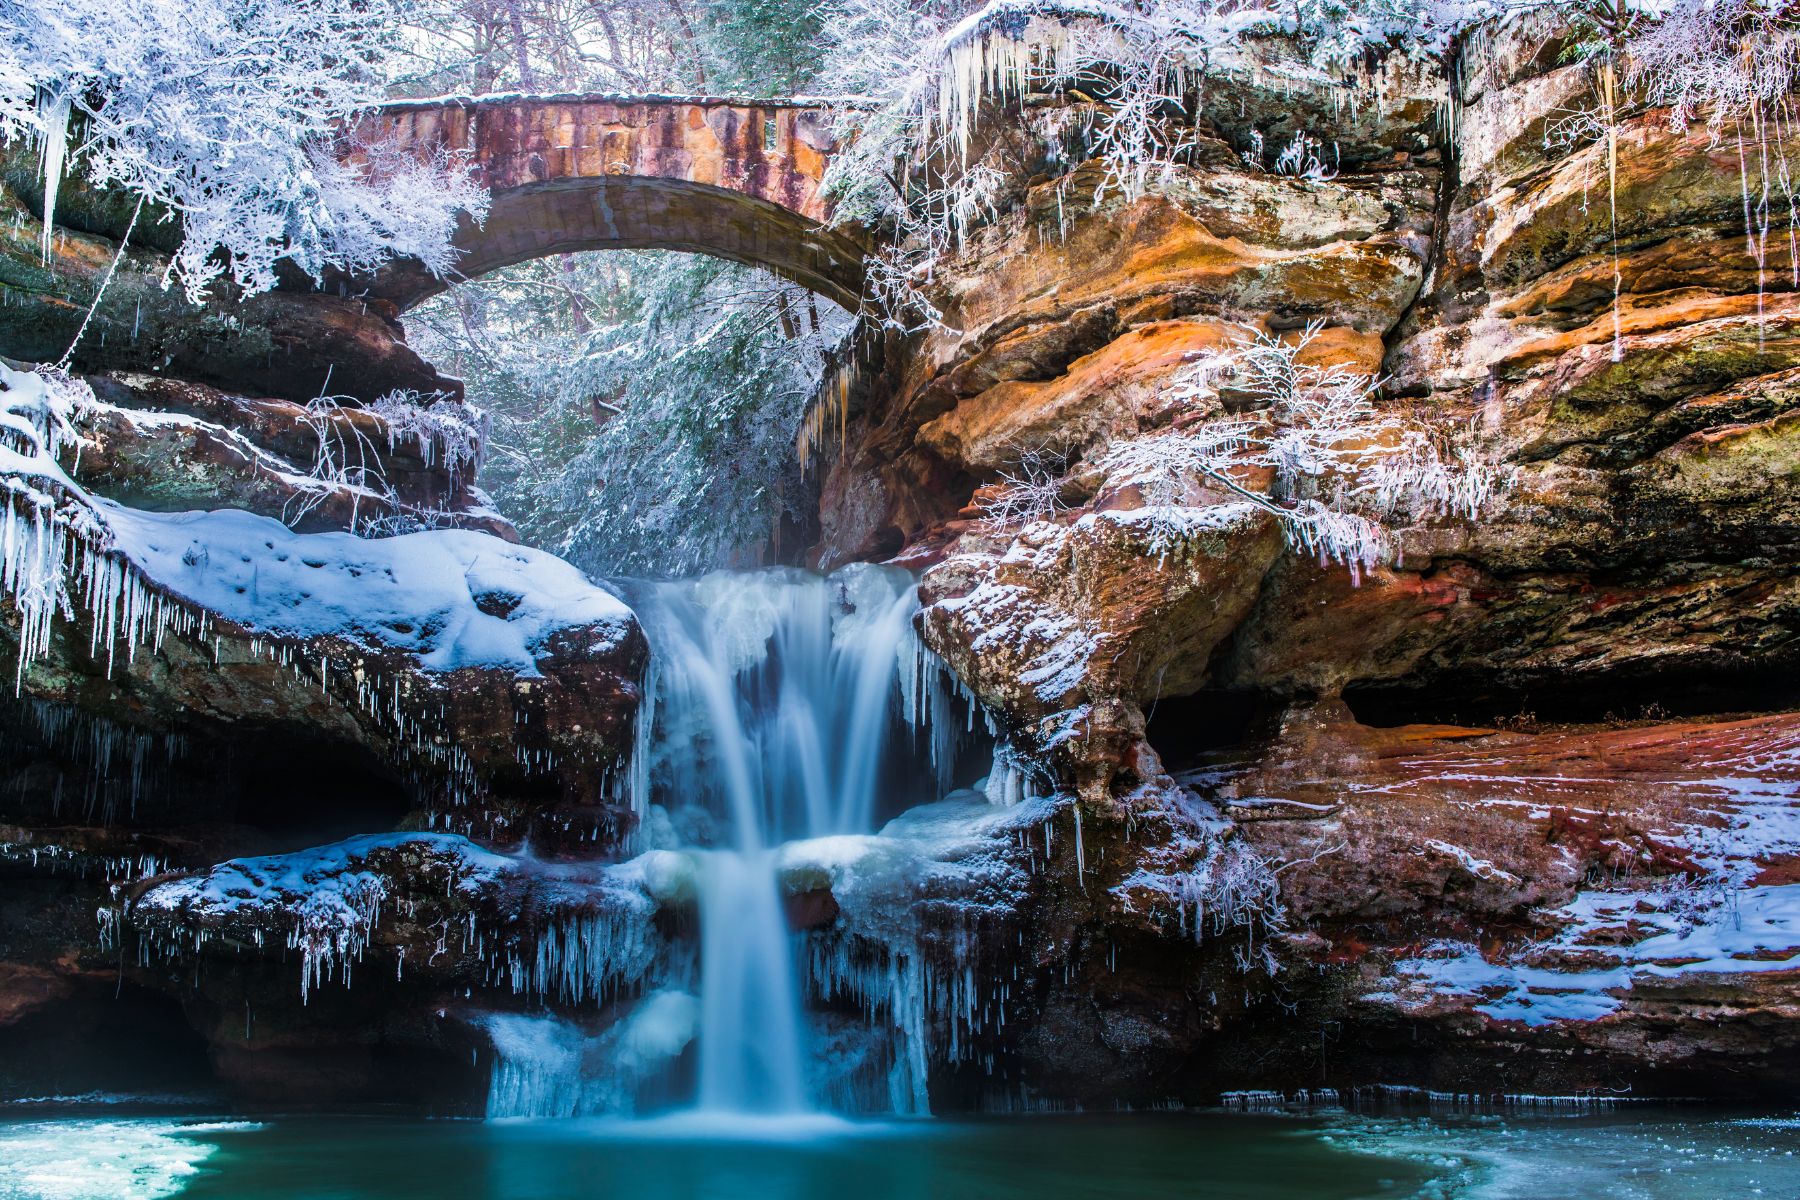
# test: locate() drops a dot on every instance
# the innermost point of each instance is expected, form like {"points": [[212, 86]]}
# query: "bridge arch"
{"points": [[739, 179]]}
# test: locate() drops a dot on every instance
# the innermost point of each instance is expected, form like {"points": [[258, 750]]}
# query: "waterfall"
{"points": [[777, 694], [751, 1056], [781, 707]]}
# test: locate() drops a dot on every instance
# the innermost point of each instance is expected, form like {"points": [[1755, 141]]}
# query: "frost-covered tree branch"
{"points": [[1031, 491], [1718, 60], [1338, 466], [224, 115], [346, 459], [1305, 443]]}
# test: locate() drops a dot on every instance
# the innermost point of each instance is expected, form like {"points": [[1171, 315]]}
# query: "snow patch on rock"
{"points": [[452, 598], [1610, 940]]}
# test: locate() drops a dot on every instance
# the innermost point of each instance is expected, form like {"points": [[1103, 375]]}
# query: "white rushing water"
{"points": [[777, 693], [787, 717]]}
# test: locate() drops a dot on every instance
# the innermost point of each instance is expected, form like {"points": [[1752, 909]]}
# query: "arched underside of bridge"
{"points": [[629, 212]]}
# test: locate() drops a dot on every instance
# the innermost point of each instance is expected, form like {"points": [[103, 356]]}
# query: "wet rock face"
{"points": [[1069, 345], [1646, 522], [1576, 910], [1573, 910], [230, 744], [260, 683], [344, 972], [165, 445], [289, 632], [1039, 634], [480, 748]]}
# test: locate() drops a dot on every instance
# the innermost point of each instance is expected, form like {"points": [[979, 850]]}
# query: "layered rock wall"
{"points": [[1423, 905]]}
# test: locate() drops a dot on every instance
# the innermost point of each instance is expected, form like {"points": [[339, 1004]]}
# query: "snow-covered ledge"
{"points": [[447, 598]]}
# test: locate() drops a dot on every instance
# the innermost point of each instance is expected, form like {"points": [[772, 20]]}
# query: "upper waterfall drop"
{"points": [[777, 694]]}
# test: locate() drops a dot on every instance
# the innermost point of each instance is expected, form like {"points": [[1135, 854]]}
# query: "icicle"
{"points": [[54, 113], [1080, 850]]}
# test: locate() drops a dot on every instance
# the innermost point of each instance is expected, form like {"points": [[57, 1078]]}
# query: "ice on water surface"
{"points": [[123, 1159]]}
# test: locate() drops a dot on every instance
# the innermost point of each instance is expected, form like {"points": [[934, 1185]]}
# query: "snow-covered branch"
{"points": [[1030, 492], [1717, 60], [224, 115], [1307, 443]]}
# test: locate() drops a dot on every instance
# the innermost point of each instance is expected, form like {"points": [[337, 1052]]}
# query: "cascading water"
{"points": [[787, 715], [776, 697]]}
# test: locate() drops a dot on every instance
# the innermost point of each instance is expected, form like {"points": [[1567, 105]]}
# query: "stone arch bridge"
{"points": [[740, 179]]}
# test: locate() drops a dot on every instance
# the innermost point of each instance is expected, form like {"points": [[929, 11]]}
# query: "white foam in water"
{"points": [[103, 1159], [1668, 1156]]}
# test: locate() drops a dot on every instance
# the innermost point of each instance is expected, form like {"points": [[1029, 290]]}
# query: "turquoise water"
{"points": [[1630, 1156]]}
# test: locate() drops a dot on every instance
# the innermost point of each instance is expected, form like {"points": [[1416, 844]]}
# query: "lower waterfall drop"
{"points": [[751, 1054]]}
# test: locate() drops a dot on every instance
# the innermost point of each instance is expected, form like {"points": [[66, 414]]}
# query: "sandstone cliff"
{"points": [[1426, 912]]}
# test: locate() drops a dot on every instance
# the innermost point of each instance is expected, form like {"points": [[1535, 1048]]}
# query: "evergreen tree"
{"points": [[764, 47], [645, 404]]}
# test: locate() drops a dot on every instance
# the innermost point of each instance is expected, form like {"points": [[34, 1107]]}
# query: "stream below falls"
{"points": [[1637, 1154]]}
